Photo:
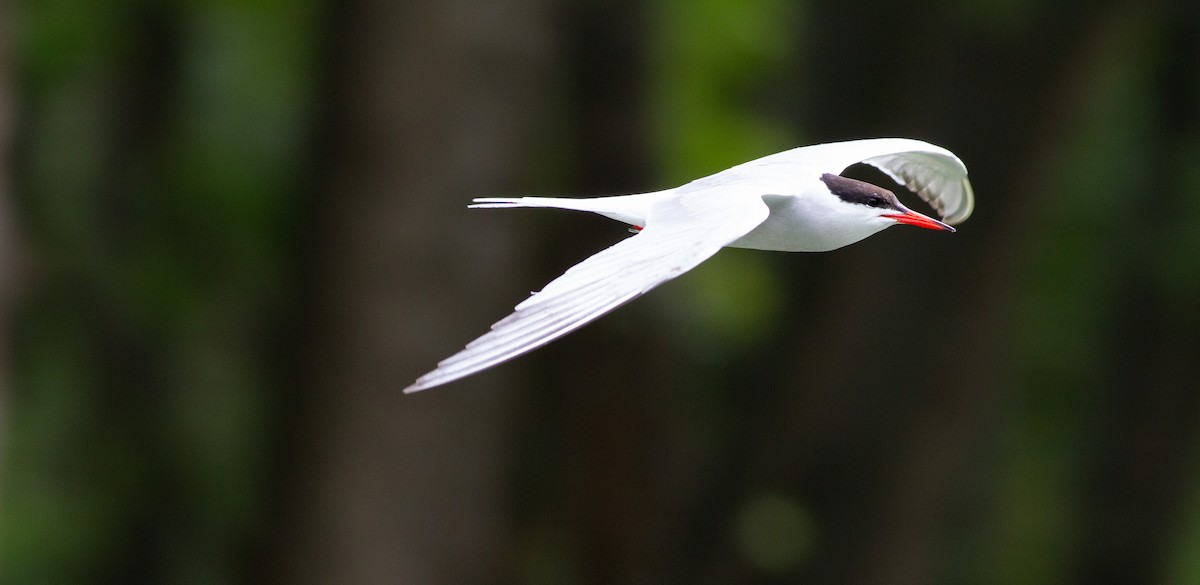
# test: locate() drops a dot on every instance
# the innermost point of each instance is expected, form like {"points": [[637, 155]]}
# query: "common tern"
{"points": [[792, 201]]}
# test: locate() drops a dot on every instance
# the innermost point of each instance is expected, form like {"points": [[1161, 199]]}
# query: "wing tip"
{"points": [[966, 205], [418, 386]]}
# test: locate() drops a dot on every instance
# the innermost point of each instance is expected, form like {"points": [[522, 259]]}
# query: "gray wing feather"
{"points": [[938, 179]]}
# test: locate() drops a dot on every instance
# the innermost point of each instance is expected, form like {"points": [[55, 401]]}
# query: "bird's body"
{"points": [[793, 201]]}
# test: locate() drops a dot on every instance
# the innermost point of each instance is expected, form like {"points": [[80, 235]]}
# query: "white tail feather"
{"points": [[496, 203], [631, 209]]}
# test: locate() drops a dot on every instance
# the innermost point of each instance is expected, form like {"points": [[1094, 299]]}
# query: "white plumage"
{"points": [[778, 202]]}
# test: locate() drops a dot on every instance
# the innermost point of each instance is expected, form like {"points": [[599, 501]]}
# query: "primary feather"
{"points": [[663, 250]]}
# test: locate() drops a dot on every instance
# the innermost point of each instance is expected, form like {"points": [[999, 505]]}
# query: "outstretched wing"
{"points": [[932, 172], [681, 233]]}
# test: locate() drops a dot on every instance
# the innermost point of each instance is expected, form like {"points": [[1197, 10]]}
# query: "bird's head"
{"points": [[866, 204]]}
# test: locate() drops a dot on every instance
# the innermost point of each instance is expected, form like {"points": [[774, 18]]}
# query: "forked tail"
{"points": [[631, 209], [496, 203]]}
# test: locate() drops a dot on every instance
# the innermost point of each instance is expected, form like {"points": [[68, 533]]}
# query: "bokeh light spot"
{"points": [[774, 533]]}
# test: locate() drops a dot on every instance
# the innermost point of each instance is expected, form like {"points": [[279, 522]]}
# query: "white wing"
{"points": [[681, 233], [932, 172]]}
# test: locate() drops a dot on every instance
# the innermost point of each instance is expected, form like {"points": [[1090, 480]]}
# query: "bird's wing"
{"points": [[937, 177], [681, 233], [932, 172]]}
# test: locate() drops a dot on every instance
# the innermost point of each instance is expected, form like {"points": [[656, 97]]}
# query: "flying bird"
{"points": [[792, 201]]}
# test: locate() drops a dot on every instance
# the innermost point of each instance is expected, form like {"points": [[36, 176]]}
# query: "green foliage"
{"points": [[164, 155], [774, 533], [716, 63], [160, 186], [714, 101]]}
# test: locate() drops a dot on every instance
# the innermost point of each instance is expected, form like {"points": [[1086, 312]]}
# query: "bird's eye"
{"points": [[876, 202]]}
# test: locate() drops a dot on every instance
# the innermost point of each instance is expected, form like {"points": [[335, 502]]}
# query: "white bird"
{"points": [[792, 201]]}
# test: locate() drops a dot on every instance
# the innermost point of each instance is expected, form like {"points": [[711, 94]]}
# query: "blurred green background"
{"points": [[232, 231]]}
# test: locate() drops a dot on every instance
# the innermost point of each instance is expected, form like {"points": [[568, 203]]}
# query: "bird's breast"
{"points": [[803, 224]]}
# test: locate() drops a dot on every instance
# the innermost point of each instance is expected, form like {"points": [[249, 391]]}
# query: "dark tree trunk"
{"points": [[9, 274], [429, 104], [1139, 479], [594, 380]]}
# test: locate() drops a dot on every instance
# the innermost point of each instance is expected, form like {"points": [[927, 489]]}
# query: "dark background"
{"points": [[232, 231]]}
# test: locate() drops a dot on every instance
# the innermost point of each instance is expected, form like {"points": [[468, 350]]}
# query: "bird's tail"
{"points": [[631, 209], [505, 202]]}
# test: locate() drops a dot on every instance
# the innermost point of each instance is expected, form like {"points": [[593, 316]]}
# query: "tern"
{"points": [[792, 201]]}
